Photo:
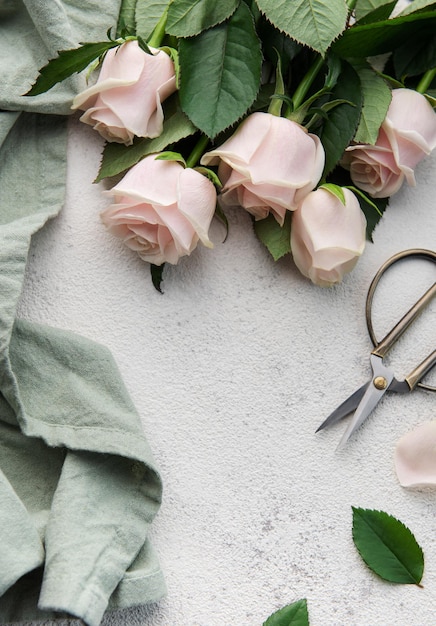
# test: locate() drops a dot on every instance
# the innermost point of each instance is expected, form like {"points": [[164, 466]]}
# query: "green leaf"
{"points": [[147, 16], [126, 18], [387, 546], [340, 128], [222, 217], [380, 37], [171, 156], [174, 56], [336, 190], [187, 18], [117, 157], [416, 60], [368, 11], [376, 100], [418, 5], [294, 614], [373, 208], [220, 72], [156, 272], [68, 62], [314, 23], [276, 238], [210, 174], [365, 197]]}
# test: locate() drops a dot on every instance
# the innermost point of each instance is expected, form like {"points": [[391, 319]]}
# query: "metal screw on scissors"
{"points": [[365, 399]]}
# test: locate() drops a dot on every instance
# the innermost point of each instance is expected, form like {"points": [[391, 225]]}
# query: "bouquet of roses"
{"points": [[308, 114]]}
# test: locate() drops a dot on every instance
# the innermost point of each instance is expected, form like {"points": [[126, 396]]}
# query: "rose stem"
{"points": [[197, 151], [426, 80], [159, 31]]}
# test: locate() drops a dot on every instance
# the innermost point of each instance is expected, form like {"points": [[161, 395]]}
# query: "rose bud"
{"points": [[268, 165], [407, 135], [161, 210], [127, 97], [327, 237]]}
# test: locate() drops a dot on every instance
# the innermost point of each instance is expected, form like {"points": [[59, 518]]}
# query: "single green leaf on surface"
{"points": [[294, 614], [156, 272], [147, 16], [168, 155], [117, 157], [220, 72], [276, 238], [379, 11], [387, 546], [340, 127], [67, 63], [315, 24], [335, 190], [380, 37], [187, 18], [126, 18], [376, 100]]}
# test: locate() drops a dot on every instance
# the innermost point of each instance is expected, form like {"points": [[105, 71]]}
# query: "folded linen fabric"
{"points": [[78, 484]]}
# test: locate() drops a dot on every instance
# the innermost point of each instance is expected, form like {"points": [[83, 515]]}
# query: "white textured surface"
{"points": [[232, 370]]}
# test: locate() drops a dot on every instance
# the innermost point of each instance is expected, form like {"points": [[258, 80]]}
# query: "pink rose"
{"points": [[127, 97], [327, 237], [268, 165], [161, 210], [415, 456], [406, 136]]}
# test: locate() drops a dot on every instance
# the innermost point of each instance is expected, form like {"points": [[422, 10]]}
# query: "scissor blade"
{"points": [[344, 409], [371, 397]]}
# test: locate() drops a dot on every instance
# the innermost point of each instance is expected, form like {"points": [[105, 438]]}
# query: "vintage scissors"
{"points": [[365, 399]]}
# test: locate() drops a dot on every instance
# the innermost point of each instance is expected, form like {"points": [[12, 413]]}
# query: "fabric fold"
{"points": [[79, 487]]}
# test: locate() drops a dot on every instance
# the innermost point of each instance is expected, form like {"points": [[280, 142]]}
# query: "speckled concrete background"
{"points": [[232, 369]]}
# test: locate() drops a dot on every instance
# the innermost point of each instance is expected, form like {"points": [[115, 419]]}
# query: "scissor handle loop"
{"points": [[413, 252]]}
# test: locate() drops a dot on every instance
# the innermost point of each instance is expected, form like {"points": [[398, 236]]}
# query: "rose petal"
{"points": [[156, 83], [197, 202], [410, 111], [150, 180], [271, 149], [415, 456]]}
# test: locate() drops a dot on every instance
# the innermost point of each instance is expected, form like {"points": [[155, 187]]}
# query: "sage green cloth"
{"points": [[78, 484]]}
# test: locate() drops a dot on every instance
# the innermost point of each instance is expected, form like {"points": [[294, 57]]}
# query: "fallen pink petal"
{"points": [[415, 456]]}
